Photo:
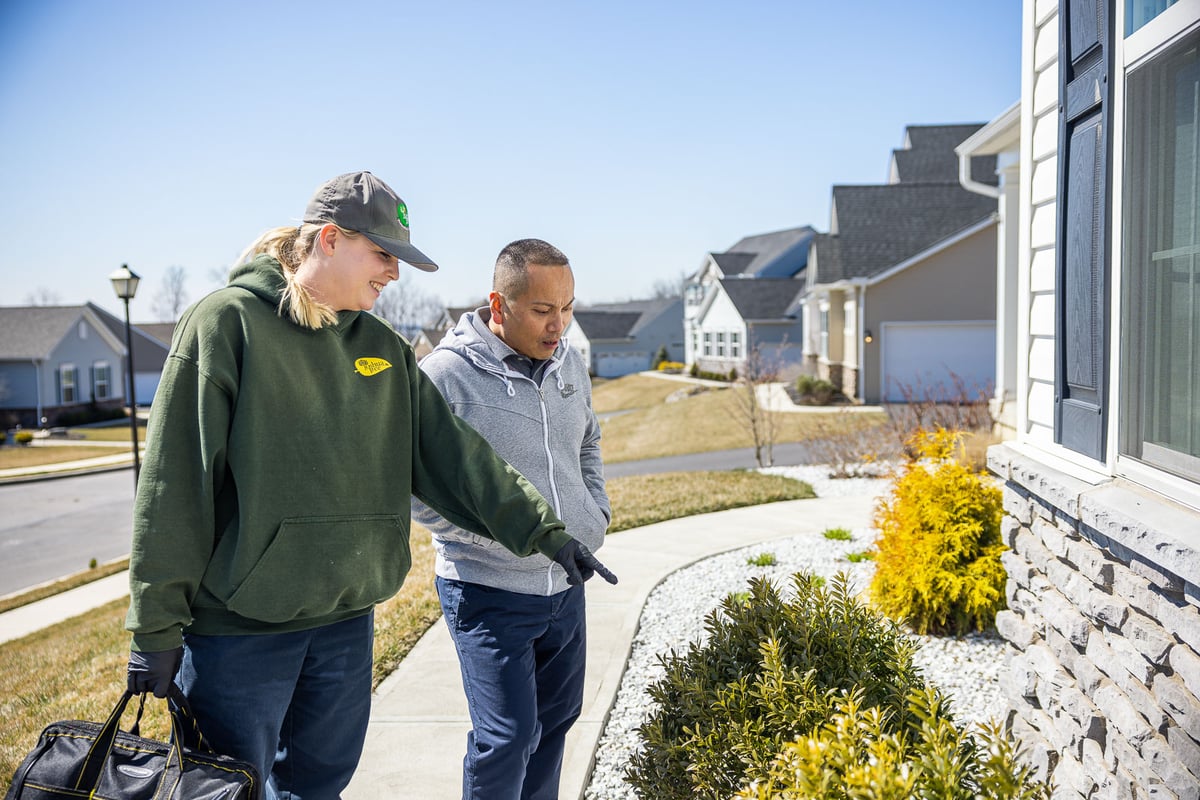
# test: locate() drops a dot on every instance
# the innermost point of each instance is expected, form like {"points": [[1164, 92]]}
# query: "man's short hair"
{"points": [[511, 278]]}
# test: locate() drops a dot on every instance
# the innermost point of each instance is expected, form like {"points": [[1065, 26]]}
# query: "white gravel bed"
{"points": [[966, 669]]}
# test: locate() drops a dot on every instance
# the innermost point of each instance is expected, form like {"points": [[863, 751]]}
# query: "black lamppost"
{"points": [[125, 283]]}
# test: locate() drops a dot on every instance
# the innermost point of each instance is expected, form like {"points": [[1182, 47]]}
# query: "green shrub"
{"points": [[23, 437], [865, 555], [837, 534], [816, 391], [762, 560], [659, 357], [858, 753], [938, 562], [771, 670]]}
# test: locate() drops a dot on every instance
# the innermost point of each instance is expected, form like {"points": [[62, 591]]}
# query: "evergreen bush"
{"points": [[816, 391], [771, 669], [859, 754], [938, 554]]}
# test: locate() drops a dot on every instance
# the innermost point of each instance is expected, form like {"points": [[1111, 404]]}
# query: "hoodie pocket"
{"points": [[316, 566]]}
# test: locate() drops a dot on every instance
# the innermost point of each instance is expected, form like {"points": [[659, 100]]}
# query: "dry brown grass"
{"points": [[703, 423], [59, 586], [631, 391], [646, 499], [37, 456]]}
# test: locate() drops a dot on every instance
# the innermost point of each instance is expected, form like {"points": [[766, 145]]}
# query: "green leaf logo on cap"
{"points": [[402, 214]]}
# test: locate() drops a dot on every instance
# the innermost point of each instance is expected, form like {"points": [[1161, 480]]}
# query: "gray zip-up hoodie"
{"points": [[547, 431]]}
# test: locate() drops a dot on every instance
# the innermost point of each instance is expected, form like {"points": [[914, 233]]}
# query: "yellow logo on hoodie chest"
{"points": [[371, 366]]}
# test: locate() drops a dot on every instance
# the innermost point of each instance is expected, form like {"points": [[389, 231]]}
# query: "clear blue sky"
{"points": [[635, 136]]}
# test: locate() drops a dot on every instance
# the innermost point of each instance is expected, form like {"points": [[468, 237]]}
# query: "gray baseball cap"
{"points": [[360, 202]]}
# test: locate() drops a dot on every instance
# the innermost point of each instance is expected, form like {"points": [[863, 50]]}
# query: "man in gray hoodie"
{"points": [[518, 623]]}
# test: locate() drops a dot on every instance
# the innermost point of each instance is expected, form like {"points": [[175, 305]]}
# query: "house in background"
{"points": [[1102, 477], [56, 360], [617, 339], [149, 352], [745, 302], [430, 335], [901, 295]]}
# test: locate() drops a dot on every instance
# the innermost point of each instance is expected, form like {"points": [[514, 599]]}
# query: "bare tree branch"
{"points": [[42, 296], [749, 409], [407, 307], [171, 298]]}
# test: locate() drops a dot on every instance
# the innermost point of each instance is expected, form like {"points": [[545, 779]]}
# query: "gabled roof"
{"points": [[607, 324], [778, 254], [733, 263], [32, 332], [929, 157], [765, 298], [149, 352], [879, 226]]}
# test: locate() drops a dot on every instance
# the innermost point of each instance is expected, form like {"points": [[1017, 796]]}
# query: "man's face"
{"points": [[533, 323]]}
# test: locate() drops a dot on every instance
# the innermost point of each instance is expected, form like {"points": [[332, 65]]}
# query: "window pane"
{"points": [[1139, 12], [1162, 261]]}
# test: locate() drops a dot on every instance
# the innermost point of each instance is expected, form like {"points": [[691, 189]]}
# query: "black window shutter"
{"points": [[1083, 252]]}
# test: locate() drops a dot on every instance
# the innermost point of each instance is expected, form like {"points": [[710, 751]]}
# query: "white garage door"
{"points": [[938, 360]]}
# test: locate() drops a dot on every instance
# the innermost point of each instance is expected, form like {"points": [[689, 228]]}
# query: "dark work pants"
{"points": [[522, 661], [297, 704]]}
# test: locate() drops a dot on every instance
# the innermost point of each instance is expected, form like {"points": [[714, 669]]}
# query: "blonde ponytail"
{"points": [[289, 246]]}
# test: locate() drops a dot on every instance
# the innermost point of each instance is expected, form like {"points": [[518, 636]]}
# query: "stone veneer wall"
{"points": [[1103, 630]]}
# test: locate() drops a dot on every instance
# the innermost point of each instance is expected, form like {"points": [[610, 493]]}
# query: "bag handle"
{"points": [[185, 733]]}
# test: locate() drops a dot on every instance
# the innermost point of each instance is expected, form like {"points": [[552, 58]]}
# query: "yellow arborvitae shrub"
{"points": [[938, 565]]}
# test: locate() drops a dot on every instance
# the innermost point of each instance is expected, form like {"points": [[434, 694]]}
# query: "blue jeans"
{"points": [[297, 704], [522, 661]]}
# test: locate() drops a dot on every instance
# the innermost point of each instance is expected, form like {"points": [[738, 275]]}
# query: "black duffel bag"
{"points": [[75, 759]]}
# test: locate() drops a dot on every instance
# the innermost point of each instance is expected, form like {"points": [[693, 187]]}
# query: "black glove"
{"points": [[580, 564], [153, 672]]}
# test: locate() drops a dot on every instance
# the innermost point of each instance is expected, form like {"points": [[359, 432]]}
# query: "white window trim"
{"points": [[1132, 52], [64, 369]]}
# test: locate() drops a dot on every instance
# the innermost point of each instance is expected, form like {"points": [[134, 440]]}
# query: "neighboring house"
{"points": [[149, 352], [617, 339], [428, 337], [901, 298], [1102, 479], [744, 304], [54, 360]]}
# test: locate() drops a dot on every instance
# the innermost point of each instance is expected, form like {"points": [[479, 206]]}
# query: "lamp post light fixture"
{"points": [[125, 284]]}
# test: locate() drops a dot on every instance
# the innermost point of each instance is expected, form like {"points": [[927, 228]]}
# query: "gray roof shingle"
{"points": [[930, 156], [32, 332], [881, 226], [778, 254], [607, 324], [764, 298]]}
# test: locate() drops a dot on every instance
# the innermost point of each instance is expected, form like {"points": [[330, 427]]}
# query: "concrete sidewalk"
{"points": [[419, 723], [26, 619]]}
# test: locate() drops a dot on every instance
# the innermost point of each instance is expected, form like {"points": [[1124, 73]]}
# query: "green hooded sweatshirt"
{"points": [[280, 461]]}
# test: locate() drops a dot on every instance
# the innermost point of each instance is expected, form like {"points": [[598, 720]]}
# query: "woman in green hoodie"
{"points": [[289, 431]]}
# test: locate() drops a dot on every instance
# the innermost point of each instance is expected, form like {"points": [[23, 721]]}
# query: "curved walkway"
{"points": [[419, 723]]}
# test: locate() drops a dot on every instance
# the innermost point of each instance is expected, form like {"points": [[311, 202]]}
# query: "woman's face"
{"points": [[358, 270]]}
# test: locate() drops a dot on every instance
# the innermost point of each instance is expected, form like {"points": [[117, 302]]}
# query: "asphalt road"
{"points": [[53, 527], [785, 455]]}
